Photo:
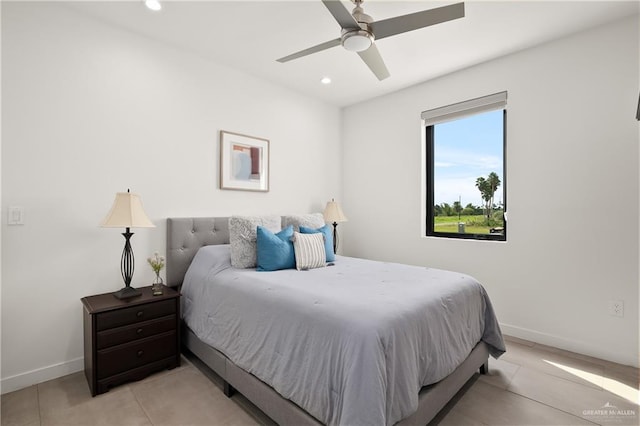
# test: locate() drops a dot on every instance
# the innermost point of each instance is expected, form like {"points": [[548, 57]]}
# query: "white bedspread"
{"points": [[353, 343]]}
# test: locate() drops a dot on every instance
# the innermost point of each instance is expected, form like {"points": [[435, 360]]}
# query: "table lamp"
{"points": [[127, 212], [333, 214]]}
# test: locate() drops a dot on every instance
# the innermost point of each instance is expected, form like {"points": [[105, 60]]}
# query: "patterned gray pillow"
{"points": [[242, 237], [312, 220]]}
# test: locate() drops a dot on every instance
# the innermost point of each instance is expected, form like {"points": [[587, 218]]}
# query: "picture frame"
{"points": [[244, 162]]}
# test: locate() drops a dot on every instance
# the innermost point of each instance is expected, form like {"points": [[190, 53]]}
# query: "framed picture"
{"points": [[244, 162]]}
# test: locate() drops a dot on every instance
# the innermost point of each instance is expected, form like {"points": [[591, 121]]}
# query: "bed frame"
{"points": [[184, 237]]}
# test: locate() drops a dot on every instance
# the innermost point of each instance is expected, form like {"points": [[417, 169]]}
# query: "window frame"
{"points": [[430, 182]]}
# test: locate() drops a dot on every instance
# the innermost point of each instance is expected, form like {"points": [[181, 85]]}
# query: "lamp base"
{"points": [[127, 293]]}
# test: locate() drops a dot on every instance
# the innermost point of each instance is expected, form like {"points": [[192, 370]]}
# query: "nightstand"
{"points": [[126, 340]]}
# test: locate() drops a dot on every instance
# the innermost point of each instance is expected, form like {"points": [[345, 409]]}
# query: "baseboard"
{"points": [[570, 345], [23, 380]]}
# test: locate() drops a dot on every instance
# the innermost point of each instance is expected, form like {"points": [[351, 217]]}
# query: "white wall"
{"points": [[572, 188], [89, 110]]}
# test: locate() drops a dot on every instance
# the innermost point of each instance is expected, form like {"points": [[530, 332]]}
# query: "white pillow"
{"points": [[312, 220], [309, 250], [242, 237]]}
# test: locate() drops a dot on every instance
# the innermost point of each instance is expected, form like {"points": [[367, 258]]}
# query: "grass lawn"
{"points": [[450, 224]]}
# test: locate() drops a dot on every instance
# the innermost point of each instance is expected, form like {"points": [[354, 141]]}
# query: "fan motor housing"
{"points": [[357, 40]]}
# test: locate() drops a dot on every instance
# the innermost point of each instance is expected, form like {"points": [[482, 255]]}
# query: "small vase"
{"points": [[156, 287]]}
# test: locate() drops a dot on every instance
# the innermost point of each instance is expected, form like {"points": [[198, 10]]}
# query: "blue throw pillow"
{"points": [[328, 239], [275, 251]]}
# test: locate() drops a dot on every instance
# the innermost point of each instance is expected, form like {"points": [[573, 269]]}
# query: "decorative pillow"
{"points": [[328, 239], [309, 250], [312, 220], [242, 237], [275, 251]]}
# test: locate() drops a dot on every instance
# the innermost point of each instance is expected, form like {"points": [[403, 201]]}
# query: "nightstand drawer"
{"points": [[135, 354], [135, 314], [138, 373], [129, 333]]}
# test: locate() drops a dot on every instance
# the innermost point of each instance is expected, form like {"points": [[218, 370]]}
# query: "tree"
{"points": [[469, 210], [483, 186], [494, 183], [488, 188], [457, 207]]}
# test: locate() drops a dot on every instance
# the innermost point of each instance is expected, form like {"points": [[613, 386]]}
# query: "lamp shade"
{"points": [[333, 213], [127, 212]]}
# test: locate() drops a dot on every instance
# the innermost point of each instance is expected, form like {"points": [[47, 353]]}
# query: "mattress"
{"points": [[352, 343]]}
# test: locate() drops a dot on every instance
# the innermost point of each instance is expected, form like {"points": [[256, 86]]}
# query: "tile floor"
{"points": [[529, 385]]}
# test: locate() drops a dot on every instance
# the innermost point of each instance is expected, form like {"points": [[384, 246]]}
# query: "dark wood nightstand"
{"points": [[126, 340]]}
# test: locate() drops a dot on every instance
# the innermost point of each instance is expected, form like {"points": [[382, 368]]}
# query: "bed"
{"points": [[369, 377]]}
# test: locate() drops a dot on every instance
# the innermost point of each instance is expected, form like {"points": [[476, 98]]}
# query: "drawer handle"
{"points": [[138, 331], [140, 353], [139, 314]]}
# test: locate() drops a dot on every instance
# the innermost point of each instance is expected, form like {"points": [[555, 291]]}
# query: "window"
{"points": [[465, 169]]}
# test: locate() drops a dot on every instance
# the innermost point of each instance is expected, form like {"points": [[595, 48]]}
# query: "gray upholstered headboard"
{"points": [[185, 236]]}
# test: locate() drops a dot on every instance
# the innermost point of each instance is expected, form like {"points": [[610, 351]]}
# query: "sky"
{"points": [[466, 149]]}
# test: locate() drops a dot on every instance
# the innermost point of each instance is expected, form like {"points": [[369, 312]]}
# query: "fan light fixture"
{"points": [[357, 41], [153, 5], [359, 30]]}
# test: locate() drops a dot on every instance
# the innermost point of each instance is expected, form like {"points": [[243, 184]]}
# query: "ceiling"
{"points": [[251, 35]]}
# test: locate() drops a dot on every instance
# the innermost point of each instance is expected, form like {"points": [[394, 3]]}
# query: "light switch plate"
{"points": [[15, 215]]}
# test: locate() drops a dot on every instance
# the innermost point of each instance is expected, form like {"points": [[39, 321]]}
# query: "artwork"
{"points": [[244, 162]]}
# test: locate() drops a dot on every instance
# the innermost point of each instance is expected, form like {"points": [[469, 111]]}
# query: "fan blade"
{"points": [[309, 51], [341, 14], [414, 21], [374, 61]]}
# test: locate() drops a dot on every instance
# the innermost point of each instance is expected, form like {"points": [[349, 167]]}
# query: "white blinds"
{"points": [[472, 106]]}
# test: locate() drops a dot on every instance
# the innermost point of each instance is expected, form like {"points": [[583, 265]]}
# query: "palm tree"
{"points": [[494, 183], [483, 185], [457, 207], [488, 188]]}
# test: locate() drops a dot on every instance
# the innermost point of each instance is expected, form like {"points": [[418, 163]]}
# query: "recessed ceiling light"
{"points": [[325, 80], [153, 4]]}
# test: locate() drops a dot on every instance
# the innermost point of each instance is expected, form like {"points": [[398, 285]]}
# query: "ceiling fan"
{"points": [[359, 31]]}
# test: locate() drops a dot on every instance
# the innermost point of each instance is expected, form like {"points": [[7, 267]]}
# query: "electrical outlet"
{"points": [[616, 308]]}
